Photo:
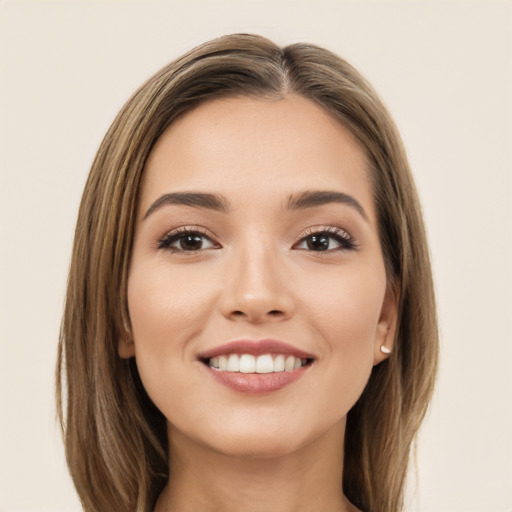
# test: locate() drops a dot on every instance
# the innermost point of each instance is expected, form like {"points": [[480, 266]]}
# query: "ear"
{"points": [[386, 328], [125, 345]]}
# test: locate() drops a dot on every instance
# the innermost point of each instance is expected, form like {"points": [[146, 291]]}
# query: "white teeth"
{"points": [[233, 363], [279, 363], [289, 365], [264, 364], [247, 363]]}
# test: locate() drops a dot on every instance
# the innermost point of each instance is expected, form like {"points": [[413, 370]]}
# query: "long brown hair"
{"points": [[115, 438]]}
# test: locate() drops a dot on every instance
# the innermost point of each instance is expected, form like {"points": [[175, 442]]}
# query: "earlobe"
{"points": [[125, 347], [386, 328]]}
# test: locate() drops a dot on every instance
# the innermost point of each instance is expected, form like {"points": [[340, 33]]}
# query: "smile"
{"points": [[256, 367], [248, 363]]}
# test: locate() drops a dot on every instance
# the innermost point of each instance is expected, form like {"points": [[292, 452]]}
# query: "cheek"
{"points": [[166, 310], [347, 305], [165, 303], [346, 317]]}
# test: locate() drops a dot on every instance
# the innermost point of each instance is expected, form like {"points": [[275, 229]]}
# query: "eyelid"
{"points": [[160, 243], [341, 234], [326, 228], [334, 230]]}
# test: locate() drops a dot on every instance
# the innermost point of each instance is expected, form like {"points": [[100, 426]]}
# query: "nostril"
{"points": [[257, 316]]}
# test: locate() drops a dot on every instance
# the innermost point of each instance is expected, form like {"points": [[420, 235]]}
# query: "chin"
{"points": [[260, 447], [257, 439]]}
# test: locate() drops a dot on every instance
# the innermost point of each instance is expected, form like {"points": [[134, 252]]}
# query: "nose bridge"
{"points": [[257, 289]]}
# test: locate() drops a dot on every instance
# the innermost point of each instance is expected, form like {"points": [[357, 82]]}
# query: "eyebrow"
{"points": [[314, 198], [215, 202]]}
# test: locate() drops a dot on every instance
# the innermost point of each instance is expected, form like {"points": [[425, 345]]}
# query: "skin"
{"points": [[256, 277]]}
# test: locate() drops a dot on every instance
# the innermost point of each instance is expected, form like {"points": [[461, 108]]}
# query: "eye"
{"points": [[329, 239], [186, 240]]}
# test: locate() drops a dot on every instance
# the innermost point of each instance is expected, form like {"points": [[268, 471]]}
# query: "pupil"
{"points": [[191, 242], [318, 243]]}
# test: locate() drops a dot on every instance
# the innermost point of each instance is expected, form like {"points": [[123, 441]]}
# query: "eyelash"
{"points": [[345, 241], [165, 243]]}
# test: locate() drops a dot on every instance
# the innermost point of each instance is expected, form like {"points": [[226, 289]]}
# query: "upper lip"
{"points": [[256, 348]]}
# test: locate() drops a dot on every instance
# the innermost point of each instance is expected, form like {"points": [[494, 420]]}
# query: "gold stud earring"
{"points": [[385, 350]]}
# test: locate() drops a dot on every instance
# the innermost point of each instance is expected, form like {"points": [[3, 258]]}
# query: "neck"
{"points": [[306, 480]]}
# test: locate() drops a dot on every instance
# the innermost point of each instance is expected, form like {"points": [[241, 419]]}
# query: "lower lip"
{"points": [[256, 383]]}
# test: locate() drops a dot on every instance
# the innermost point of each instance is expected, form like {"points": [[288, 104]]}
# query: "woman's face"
{"points": [[257, 289]]}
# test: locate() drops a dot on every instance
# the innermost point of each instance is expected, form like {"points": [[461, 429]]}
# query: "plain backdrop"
{"points": [[444, 69]]}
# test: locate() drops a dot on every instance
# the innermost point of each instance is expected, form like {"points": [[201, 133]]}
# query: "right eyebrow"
{"points": [[215, 202]]}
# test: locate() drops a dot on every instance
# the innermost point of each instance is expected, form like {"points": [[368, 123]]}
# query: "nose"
{"points": [[257, 288]]}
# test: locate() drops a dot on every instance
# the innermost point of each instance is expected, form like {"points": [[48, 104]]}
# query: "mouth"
{"points": [[256, 367], [249, 363]]}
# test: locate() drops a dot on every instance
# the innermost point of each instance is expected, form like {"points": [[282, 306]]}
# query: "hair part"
{"points": [[115, 438]]}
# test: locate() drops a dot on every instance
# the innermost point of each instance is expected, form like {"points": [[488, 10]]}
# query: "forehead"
{"points": [[251, 149]]}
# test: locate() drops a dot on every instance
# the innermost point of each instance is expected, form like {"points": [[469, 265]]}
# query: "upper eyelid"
{"points": [[325, 229], [189, 229], [184, 230]]}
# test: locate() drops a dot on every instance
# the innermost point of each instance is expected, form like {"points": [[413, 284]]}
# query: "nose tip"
{"points": [[256, 290]]}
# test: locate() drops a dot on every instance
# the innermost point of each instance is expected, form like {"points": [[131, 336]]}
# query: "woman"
{"points": [[250, 320]]}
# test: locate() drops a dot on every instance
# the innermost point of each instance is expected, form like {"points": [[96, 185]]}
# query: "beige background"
{"points": [[444, 68]]}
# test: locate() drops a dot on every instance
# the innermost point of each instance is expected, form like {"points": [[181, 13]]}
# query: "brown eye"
{"points": [[191, 242], [317, 242], [327, 240], [186, 241]]}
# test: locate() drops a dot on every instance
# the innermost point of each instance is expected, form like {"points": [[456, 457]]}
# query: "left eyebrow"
{"points": [[313, 198]]}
